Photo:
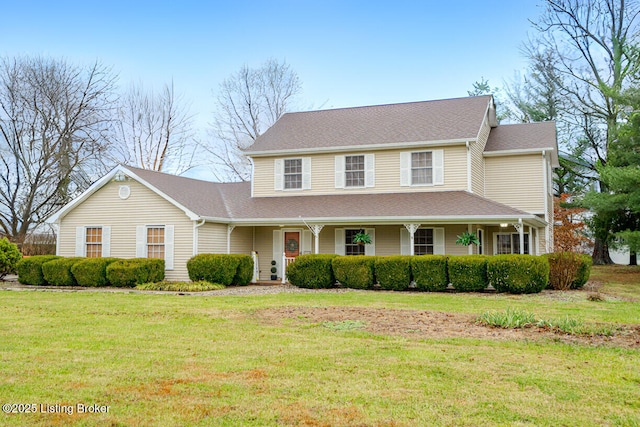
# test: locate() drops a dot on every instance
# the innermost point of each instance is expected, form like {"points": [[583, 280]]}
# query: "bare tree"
{"points": [[596, 60], [53, 120], [154, 130], [248, 103]]}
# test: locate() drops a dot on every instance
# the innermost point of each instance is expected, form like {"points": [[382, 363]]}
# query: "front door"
{"points": [[291, 244]]}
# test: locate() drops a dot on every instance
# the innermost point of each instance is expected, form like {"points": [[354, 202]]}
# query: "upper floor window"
{"points": [[355, 171], [292, 174], [422, 167], [93, 242]]}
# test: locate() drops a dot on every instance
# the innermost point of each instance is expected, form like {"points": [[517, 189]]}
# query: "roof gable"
{"points": [[445, 120]]}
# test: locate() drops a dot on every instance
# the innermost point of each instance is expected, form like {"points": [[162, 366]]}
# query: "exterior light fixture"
{"points": [[504, 225]]}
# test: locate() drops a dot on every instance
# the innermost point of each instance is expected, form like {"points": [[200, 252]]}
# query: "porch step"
{"points": [[267, 283]]}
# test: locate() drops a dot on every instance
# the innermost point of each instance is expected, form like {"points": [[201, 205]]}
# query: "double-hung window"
{"points": [[93, 242], [423, 243], [351, 248], [354, 171], [292, 174], [422, 167], [155, 242]]}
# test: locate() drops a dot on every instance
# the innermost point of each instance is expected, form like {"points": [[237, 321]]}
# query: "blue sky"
{"points": [[347, 53]]}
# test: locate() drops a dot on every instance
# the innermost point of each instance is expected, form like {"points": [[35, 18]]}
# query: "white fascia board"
{"points": [[517, 152], [364, 147]]}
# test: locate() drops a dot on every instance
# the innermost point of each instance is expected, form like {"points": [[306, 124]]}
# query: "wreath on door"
{"points": [[292, 245]]}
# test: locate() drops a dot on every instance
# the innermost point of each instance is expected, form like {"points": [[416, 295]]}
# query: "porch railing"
{"points": [[285, 263]]}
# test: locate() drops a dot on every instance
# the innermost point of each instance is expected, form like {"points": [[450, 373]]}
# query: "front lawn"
{"points": [[315, 359]]}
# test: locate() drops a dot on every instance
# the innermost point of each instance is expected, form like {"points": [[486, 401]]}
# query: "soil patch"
{"points": [[432, 324]]}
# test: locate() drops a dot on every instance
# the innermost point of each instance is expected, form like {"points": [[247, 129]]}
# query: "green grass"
{"points": [[175, 360]]}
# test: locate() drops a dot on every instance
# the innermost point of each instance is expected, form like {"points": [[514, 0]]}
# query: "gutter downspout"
{"points": [[469, 187], [546, 200], [196, 225]]}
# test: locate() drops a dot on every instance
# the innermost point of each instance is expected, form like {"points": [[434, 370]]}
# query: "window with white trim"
{"points": [[422, 167], [93, 242], [509, 243], [423, 243], [155, 242], [354, 171], [292, 174], [351, 248]]}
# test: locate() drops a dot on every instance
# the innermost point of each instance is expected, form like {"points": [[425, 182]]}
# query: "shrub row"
{"points": [[468, 273], [224, 269], [59, 271]]}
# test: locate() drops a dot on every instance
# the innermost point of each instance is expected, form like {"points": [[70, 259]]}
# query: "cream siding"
{"points": [[387, 173], [212, 238], [516, 181], [143, 207], [242, 240]]}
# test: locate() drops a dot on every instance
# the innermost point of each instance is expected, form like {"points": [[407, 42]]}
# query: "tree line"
{"points": [[584, 74], [64, 125]]}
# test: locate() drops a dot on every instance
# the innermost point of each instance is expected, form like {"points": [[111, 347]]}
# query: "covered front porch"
{"points": [[278, 245]]}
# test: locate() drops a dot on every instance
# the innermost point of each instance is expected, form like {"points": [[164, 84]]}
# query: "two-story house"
{"points": [[413, 176]]}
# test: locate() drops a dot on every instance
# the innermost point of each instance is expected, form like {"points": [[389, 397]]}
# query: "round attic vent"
{"points": [[124, 192]]}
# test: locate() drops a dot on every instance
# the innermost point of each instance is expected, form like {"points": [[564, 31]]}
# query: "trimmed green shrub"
{"points": [[92, 271], [30, 269], [57, 272], [9, 257], [244, 272], [214, 268], [518, 274], [312, 271], [393, 272], [468, 273], [131, 272], [354, 271], [584, 271], [430, 272]]}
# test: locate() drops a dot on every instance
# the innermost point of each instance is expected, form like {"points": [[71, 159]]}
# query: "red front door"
{"points": [[291, 244]]}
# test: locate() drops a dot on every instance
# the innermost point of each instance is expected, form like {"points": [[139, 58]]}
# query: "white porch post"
{"points": [[256, 267], [284, 268], [229, 230], [315, 229], [411, 228], [470, 230], [532, 250], [520, 229]]}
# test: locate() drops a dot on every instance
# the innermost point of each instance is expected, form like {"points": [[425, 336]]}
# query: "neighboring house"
{"points": [[414, 176]]}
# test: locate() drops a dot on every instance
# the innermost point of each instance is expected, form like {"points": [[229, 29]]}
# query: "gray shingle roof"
{"points": [[524, 136], [441, 120], [232, 202]]}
